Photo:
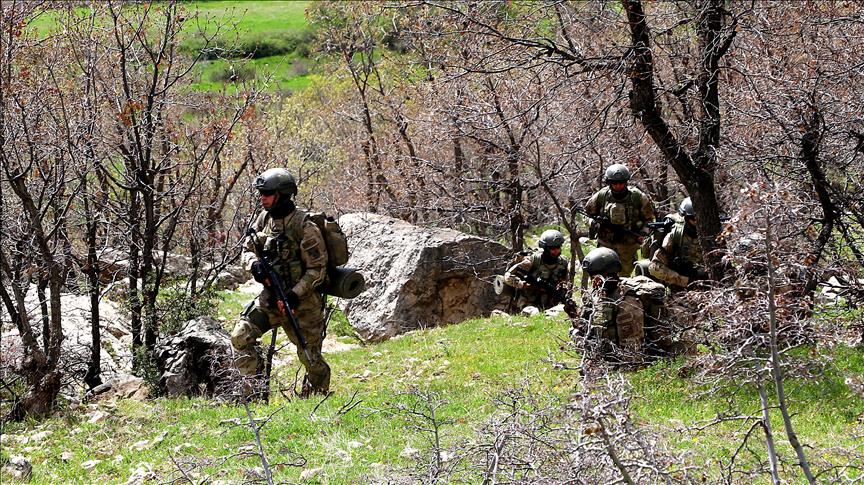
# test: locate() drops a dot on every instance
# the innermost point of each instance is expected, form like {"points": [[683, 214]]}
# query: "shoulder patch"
{"points": [[312, 249]]}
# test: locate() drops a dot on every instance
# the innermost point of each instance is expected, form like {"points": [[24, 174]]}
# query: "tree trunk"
{"points": [[94, 367], [696, 172]]}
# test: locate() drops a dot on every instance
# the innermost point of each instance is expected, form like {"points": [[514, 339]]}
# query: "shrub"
{"points": [[234, 73]]}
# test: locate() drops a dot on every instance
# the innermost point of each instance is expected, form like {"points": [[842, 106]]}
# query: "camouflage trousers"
{"points": [[626, 251], [260, 317]]}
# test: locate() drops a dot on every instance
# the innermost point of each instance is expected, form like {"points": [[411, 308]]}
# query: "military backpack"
{"points": [[341, 282]]}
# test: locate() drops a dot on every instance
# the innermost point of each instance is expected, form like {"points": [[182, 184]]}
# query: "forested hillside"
{"points": [[132, 135]]}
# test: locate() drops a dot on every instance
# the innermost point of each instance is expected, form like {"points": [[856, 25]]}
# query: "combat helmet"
{"points": [[277, 180], [551, 239], [686, 208], [601, 261], [616, 173]]}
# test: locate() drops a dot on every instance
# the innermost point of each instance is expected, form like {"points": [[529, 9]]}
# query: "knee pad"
{"points": [[244, 335]]}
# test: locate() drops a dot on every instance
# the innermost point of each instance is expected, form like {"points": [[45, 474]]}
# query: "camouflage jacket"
{"points": [[296, 248], [678, 259], [625, 217], [532, 264]]}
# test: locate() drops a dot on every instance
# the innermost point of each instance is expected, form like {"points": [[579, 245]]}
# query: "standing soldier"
{"points": [[620, 216], [679, 260], [545, 265], [299, 256]]}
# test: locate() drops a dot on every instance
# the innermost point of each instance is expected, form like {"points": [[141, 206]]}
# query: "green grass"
{"points": [[269, 41], [273, 35], [281, 73], [259, 17], [827, 414], [466, 365], [232, 304], [455, 362]]}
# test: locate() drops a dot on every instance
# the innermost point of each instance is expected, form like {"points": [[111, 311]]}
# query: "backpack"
{"points": [[334, 238], [341, 282], [650, 296]]}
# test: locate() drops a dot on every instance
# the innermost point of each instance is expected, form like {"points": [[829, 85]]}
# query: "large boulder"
{"points": [[417, 277], [197, 360], [114, 265]]}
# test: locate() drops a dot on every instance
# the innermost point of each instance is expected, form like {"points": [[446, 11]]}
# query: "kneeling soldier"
{"points": [[546, 268], [678, 262], [623, 313]]}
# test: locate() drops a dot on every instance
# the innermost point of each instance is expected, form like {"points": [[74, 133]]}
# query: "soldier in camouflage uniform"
{"points": [[299, 256], [623, 313], [678, 261], [545, 263], [654, 241], [620, 214]]}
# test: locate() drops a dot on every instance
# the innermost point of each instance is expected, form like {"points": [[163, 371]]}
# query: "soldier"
{"points": [[678, 261], [654, 241], [623, 313], [620, 216], [299, 256], [545, 264]]}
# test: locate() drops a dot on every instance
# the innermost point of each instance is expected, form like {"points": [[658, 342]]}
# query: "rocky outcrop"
{"points": [[197, 360], [116, 336], [417, 277]]}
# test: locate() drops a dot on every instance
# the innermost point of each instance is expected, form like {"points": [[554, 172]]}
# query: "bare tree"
{"points": [[36, 194]]}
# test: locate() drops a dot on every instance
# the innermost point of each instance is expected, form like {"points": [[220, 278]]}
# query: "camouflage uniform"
{"points": [[300, 258], [679, 259], [652, 243], [623, 311], [629, 214], [533, 264]]}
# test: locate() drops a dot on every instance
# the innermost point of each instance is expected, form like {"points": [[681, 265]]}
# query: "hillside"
{"points": [[359, 433], [140, 140]]}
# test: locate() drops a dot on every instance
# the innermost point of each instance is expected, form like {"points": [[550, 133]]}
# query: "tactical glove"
{"points": [[293, 299], [258, 272]]}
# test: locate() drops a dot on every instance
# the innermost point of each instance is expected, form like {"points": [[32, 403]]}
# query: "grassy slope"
{"points": [[279, 24], [466, 364], [276, 22]]}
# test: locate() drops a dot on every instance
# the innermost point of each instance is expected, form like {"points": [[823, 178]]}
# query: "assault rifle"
{"points": [[270, 279], [667, 223], [547, 287], [663, 227]]}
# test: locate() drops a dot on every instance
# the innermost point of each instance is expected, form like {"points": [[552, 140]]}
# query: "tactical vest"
{"points": [[555, 273], [625, 213], [283, 245]]}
